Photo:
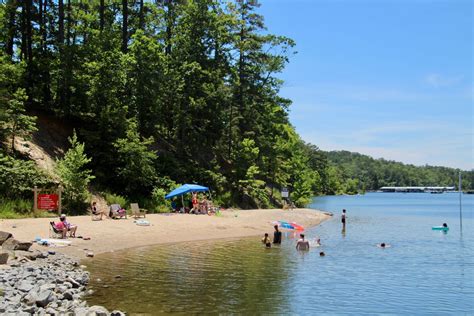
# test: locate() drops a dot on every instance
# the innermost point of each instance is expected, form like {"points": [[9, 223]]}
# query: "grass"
{"points": [[20, 208]]}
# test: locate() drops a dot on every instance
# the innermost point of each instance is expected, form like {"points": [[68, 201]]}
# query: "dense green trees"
{"points": [[356, 172], [163, 92]]}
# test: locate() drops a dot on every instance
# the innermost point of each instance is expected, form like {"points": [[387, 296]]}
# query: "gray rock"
{"points": [[61, 289], [51, 311], [46, 287], [25, 286], [68, 295], [98, 310], [30, 309], [31, 254], [3, 257], [81, 311], [74, 283], [44, 298], [13, 244], [4, 236]]}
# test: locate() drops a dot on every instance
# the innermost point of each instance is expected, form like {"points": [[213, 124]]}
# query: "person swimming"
{"points": [[322, 254], [383, 245]]}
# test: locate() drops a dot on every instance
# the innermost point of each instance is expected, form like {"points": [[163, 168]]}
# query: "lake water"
{"points": [[423, 272]]}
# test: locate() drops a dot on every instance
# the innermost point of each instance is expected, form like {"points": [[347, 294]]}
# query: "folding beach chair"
{"points": [[137, 211], [116, 211], [54, 232]]}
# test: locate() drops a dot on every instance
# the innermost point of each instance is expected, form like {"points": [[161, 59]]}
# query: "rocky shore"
{"points": [[42, 282]]}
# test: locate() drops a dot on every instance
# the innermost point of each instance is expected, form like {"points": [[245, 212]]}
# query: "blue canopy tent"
{"points": [[186, 188]]}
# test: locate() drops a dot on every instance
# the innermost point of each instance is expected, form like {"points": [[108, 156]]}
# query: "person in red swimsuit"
{"points": [[195, 202]]}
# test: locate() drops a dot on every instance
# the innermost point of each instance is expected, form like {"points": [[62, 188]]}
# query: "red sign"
{"points": [[48, 201]]}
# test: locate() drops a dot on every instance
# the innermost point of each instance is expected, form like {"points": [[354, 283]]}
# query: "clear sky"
{"points": [[387, 78]]}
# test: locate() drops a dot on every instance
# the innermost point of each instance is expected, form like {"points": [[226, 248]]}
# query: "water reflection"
{"points": [[222, 277]]}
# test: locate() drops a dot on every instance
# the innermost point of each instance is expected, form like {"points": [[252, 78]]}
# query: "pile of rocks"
{"points": [[42, 282]]}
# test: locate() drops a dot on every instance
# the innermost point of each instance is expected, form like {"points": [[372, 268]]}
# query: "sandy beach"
{"points": [[113, 235]]}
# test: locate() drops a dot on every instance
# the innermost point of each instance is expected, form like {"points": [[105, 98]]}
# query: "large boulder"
{"points": [[4, 236], [13, 244], [44, 298], [3, 257]]}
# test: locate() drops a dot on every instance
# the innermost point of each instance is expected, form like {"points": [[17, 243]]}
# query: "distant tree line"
{"points": [[356, 172], [165, 92]]}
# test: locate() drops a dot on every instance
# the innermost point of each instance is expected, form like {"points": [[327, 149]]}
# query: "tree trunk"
{"points": [[61, 23], [169, 26], [11, 7], [141, 16], [29, 31], [124, 25], [41, 24], [101, 14], [68, 25]]}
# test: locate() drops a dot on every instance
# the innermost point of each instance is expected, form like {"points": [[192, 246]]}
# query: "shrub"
{"points": [[74, 176], [160, 204], [18, 177], [16, 208], [117, 199]]}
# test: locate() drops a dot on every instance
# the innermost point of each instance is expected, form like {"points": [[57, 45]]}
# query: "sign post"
{"points": [[47, 201]]}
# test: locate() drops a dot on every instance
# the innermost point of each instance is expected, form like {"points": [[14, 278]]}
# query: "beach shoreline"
{"points": [[116, 235]]}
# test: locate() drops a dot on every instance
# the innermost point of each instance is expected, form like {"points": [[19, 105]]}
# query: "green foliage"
{"points": [[159, 201], [16, 208], [116, 199], [136, 170], [15, 120], [353, 172], [18, 177], [74, 176]]}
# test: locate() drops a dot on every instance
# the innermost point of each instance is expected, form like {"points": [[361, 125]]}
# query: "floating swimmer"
{"points": [[383, 245], [444, 227]]}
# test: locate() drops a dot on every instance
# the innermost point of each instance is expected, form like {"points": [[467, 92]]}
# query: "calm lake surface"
{"points": [[423, 272]]}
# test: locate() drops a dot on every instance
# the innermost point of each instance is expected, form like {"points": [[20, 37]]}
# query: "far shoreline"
{"points": [[169, 228]]}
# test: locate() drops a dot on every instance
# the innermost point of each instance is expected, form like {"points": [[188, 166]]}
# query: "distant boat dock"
{"points": [[418, 189]]}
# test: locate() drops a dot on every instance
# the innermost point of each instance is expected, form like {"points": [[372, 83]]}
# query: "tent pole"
{"points": [[182, 202]]}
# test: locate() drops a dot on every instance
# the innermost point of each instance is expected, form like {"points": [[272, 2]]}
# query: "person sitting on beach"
{"points": [[302, 244], [266, 241], [64, 226], [61, 228], [95, 210], [276, 235]]}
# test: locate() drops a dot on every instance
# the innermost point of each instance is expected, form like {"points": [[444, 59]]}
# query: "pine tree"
{"points": [[75, 177]]}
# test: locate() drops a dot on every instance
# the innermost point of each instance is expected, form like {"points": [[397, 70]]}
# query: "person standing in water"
{"points": [[266, 241], [302, 244], [343, 218], [277, 236]]}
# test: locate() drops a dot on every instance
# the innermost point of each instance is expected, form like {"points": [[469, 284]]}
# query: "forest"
{"points": [[161, 93]]}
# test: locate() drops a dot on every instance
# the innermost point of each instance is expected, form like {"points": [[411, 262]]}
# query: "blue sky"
{"points": [[389, 78]]}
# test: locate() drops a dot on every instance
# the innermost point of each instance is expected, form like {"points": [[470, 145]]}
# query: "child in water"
{"points": [[266, 241]]}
